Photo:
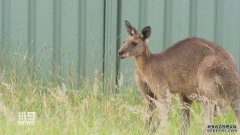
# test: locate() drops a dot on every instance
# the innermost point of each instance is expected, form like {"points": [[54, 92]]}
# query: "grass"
{"points": [[86, 111]]}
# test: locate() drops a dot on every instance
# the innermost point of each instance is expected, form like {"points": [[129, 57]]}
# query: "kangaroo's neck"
{"points": [[143, 60]]}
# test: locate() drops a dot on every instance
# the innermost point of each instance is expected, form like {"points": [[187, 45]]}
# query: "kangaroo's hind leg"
{"points": [[231, 90], [208, 92], [185, 113], [235, 105]]}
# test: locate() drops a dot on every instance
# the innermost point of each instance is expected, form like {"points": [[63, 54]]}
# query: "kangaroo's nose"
{"points": [[120, 52]]}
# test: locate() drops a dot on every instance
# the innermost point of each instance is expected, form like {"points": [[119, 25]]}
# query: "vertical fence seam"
{"points": [[218, 21], [57, 36], [193, 17], [119, 4], [81, 40], [104, 41], [167, 23], [31, 34]]}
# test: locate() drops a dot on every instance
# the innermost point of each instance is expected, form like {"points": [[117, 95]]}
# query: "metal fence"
{"points": [[82, 36]]}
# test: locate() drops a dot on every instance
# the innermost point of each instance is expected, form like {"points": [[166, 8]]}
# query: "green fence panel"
{"points": [[69, 39], [18, 46], [1, 24], [206, 19], [155, 11], [44, 37], [1, 35], [5, 12], [180, 20], [231, 28], [94, 38]]}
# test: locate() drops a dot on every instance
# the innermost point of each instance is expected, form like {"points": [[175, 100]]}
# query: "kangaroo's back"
{"points": [[193, 50], [187, 59]]}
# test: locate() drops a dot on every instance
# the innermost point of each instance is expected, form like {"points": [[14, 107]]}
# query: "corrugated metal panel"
{"points": [[94, 37], [80, 38], [180, 23], [1, 28], [5, 31], [1, 35], [231, 27], [69, 39], [31, 33], [18, 29], [44, 35]]}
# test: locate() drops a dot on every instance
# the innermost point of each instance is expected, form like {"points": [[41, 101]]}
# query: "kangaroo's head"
{"points": [[135, 44]]}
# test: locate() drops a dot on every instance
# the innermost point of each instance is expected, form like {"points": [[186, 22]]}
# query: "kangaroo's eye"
{"points": [[134, 43]]}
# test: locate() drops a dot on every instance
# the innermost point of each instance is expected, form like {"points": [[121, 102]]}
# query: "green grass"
{"points": [[85, 111]]}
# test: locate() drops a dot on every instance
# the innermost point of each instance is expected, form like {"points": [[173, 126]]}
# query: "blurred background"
{"points": [[79, 39]]}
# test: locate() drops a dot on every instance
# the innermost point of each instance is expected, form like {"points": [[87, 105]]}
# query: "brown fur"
{"points": [[198, 69]]}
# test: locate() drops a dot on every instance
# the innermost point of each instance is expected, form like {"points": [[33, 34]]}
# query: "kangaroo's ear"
{"points": [[146, 32], [130, 29]]}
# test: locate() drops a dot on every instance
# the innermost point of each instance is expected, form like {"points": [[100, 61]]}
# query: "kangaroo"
{"points": [[195, 68]]}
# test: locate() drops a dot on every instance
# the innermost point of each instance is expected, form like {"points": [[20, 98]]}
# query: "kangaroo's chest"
{"points": [[157, 82], [153, 80]]}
